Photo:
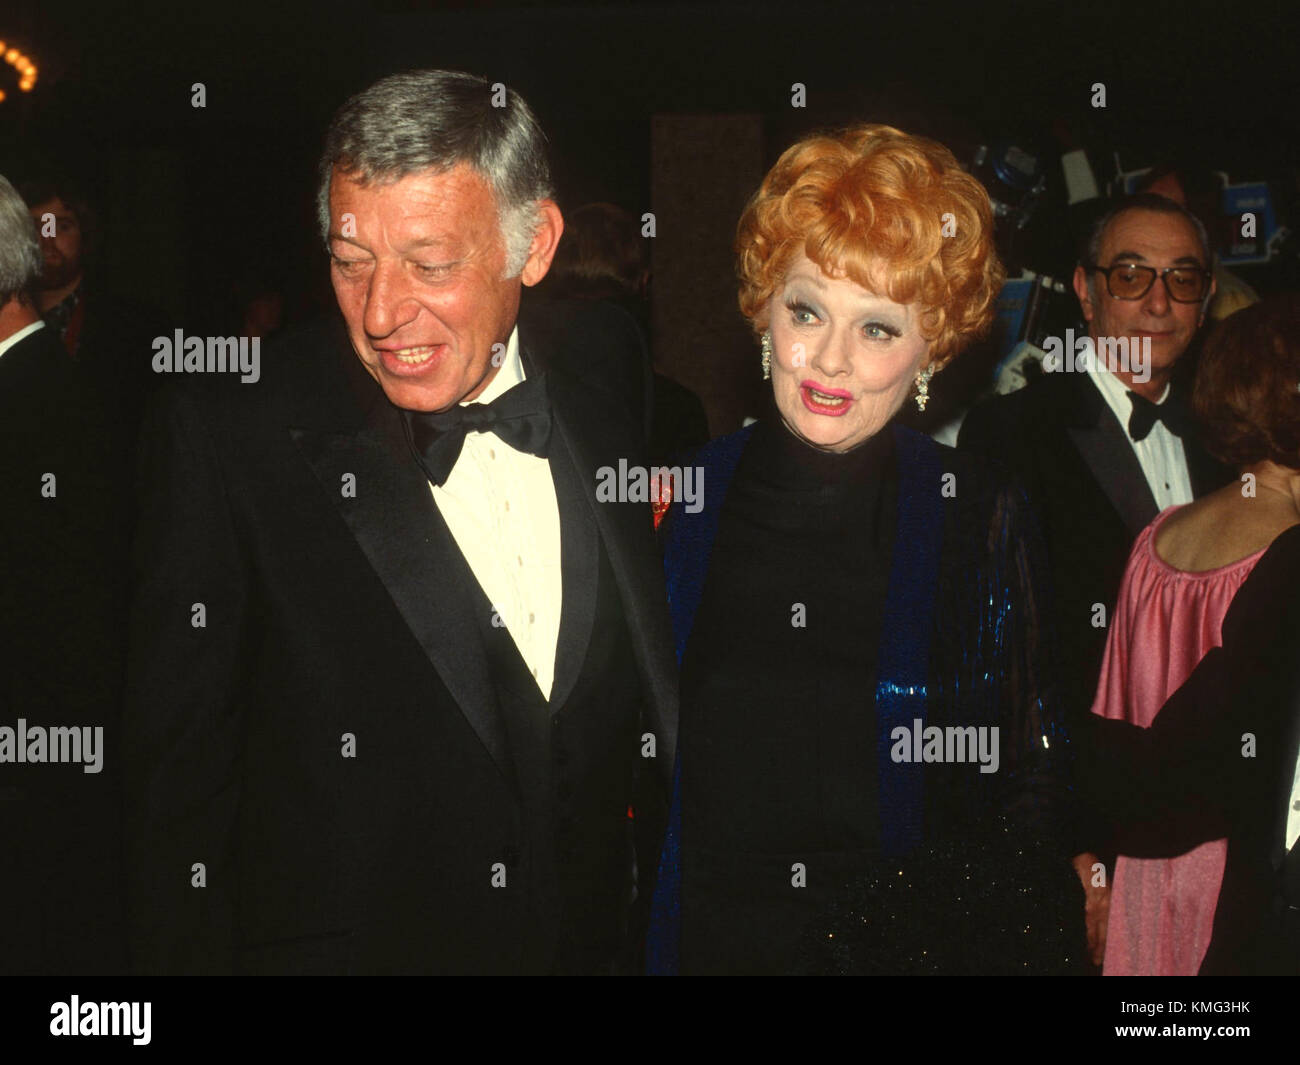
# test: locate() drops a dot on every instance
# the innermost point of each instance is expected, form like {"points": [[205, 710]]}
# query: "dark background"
{"points": [[671, 108]]}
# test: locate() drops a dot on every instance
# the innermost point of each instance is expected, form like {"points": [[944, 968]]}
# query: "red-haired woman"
{"points": [[870, 761]]}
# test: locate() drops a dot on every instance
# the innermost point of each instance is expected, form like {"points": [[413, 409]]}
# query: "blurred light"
{"points": [[23, 64]]}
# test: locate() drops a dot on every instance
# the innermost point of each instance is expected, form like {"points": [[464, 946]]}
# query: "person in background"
{"points": [[602, 256], [1185, 569], [63, 563], [1221, 761], [1201, 192], [110, 339]]}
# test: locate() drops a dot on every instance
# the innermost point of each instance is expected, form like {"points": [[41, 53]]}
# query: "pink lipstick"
{"points": [[833, 402]]}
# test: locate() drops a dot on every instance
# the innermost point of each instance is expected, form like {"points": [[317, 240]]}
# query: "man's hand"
{"points": [[1096, 907]]}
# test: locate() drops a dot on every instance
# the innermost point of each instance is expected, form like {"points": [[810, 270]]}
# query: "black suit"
{"points": [[1186, 779], [331, 614], [1081, 472], [62, 567]]}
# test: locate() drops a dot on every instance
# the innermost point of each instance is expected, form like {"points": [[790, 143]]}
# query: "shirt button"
{"points": [[519, 559], [492, 453], [507, 504], [1296, 806], [530, 618]]}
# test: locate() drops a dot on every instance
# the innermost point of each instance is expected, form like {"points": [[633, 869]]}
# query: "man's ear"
{"points": [[546, 238], [1081, 290]]}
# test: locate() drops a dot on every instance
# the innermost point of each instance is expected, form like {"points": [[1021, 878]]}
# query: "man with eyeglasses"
{"points": [[1106, 444]]}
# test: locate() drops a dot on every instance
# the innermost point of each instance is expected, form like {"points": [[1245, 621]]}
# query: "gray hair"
{"points": [[21, 261], [432, 120], [1141, 201]]}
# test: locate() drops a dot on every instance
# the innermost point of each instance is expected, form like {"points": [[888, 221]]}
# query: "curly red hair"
{"points": [[873, 204]]}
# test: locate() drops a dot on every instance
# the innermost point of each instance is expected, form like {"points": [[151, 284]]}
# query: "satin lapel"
{"points": [[401, 532], [1105, 447], [579, 564], [597, 436], [1289, 735]]}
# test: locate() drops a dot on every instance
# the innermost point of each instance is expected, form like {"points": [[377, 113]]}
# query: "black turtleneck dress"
{"points": [[779, 780]]}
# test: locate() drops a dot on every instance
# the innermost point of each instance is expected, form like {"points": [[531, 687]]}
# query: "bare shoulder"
{"points": [[1220, 529]]}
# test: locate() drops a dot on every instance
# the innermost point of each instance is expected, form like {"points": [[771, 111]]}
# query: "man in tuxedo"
{"points": [[1103, 448], [62, 558], [1101, 451], [397, 679], [1222, 758]]}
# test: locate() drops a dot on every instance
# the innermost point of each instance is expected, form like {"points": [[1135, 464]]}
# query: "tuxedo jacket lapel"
{"points": [[593, 434], [400, 530], [1104, 446], [579, 564], [1289, 736]]}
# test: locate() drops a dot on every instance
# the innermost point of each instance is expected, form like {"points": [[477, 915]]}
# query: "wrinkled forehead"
{"points": [[447, 205], [1151, 236]]}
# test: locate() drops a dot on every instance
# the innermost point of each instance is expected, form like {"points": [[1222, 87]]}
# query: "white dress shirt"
{"points": [[25, 331], [1293, 814], [500, 505], [1160, 453]]}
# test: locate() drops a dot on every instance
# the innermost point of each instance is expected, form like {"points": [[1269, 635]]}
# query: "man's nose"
{"points": [[1157, 298], [388, 301]]}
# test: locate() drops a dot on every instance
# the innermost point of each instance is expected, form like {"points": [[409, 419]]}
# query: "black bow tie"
{"points": [[1146, 414], [521, 417]]}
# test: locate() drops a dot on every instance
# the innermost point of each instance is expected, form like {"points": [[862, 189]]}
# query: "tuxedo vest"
{"points": [[575, 764]]}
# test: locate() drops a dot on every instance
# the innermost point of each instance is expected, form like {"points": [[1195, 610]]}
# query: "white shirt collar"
{"points": [[24, 332], [510, 374]]}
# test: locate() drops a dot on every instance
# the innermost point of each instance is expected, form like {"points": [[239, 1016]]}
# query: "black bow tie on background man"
{"points": [[1146, 414], [521, 417]]}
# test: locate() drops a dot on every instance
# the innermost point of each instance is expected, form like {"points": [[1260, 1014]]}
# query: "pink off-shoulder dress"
{"points": [[1162, 909]]}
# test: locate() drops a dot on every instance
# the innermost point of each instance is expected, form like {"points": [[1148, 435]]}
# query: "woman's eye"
{"points": [[801, 314], [879, 331]]}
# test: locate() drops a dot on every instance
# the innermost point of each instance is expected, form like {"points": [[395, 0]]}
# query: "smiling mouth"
{"points": [[414, 356]]}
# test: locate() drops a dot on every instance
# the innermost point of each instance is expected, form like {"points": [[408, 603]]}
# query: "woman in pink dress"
{"points": [[1183, 572]]}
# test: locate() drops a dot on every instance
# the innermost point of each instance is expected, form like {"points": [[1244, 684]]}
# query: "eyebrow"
{"points": [[813, 279], [891, 309]]}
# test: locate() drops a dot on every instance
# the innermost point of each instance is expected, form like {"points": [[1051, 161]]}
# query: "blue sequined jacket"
{"points": [[965, 640]]}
